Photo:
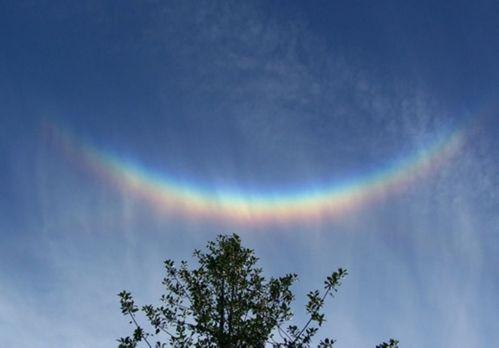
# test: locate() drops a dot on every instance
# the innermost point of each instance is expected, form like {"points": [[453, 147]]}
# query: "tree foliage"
{"points": [[226, 302]]}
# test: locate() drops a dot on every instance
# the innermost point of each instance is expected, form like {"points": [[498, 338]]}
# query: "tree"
{"points": [[226, 302]]}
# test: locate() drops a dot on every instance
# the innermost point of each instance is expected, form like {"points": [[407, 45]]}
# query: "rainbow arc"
{"points": [[169, 196]]}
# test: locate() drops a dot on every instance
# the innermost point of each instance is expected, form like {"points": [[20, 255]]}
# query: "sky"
{"points": [[327, 134]]}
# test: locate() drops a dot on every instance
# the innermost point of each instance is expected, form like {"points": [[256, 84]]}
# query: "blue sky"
{"points": [[260, 96]]}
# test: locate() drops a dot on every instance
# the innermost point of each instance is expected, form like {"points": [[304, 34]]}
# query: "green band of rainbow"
{"points": [[166, 195]]}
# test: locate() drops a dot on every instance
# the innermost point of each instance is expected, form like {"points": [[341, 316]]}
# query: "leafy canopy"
{"points": [[227, 302]]}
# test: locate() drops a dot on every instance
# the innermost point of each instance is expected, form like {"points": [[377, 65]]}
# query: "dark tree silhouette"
{"points": [[226, 302]]}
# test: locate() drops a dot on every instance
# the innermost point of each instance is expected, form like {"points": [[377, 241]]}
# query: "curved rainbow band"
{"points": [[167, 195]]}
